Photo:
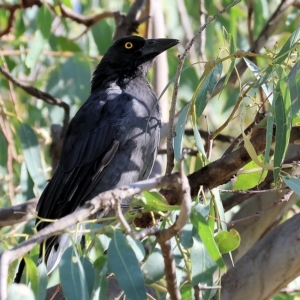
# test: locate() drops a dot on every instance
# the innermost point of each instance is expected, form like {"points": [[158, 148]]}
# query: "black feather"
{"points": [[112, 140]]}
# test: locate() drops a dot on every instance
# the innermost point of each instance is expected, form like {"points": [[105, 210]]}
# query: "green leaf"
{"points": [[32, 274], [44, 21], [17, 293], [155, 202], [220, 209], [100, 288], [125, 266], [294, 87], [137, 247], [228, 241], [251, 177], [232, 49], [43, 281], [198, 141], [32, 157], [72, 276], [179, 131], [89, 273], [292, 183], [66, 45], [290, 44], [187, 292], [185, 236], [26, 183], [282, 107], [202, 227], [102, 34], [203, 266], [153, 269], [205, 89], [269, 137]]}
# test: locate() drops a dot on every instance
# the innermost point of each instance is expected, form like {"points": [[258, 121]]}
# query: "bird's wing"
{"points": [[89, 145]]}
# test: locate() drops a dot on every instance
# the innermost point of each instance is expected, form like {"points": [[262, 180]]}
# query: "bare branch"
{"points": [[281, 246], [18, 213], [12, 9], [126, 25], [258, 214], [40, 95], [104, 200]]}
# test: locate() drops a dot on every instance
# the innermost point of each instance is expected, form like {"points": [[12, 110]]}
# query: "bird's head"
{"points": [[129, 55]]}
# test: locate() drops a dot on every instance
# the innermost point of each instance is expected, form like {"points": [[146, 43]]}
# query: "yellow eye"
{"points": [[128, 45]]}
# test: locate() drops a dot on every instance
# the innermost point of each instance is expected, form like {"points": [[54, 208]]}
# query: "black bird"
{"points": [[112, 140]]}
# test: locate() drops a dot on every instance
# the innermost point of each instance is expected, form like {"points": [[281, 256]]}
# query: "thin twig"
{"points": [[40, 95], [255, 216], [102, 201]]}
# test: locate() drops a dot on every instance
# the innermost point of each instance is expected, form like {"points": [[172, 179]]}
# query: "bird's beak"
{"points": [[153, 47]]}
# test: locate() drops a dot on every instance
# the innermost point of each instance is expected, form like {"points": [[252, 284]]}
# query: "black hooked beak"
{"points": [[153, 47]]}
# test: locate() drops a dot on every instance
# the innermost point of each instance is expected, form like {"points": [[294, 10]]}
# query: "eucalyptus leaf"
{"points": [[179, 131], [32, 157], [293, 183], [125, 266]]}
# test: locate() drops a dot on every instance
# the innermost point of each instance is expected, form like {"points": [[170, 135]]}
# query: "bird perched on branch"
{"points": [[111, 142]]}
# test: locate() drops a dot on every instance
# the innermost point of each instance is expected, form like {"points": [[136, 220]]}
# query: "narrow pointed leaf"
{"points": [[205, 89], [42, 282], [72, 276], [292, 183], [44, 21], [32, 274], [32, 157], [202, 227], [125, 266], [282, 107], [294, 87], [290, 44], [261, 78], [203, 266], [179, 131]]}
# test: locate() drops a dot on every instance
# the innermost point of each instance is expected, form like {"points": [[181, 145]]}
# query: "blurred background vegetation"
{"points": [[44, 48]]}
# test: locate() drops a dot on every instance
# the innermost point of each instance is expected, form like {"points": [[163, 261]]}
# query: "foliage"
{"points": [[57, 55]]}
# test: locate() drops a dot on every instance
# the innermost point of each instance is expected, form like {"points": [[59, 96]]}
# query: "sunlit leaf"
{"points": [[290, 44], [31, 270], [155, 202], [228, 241], [201, 225], [250, 176]]}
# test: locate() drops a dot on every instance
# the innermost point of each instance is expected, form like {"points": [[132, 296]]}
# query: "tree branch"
{"points": [[104, 200], [40, 95], [282, 246]]}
